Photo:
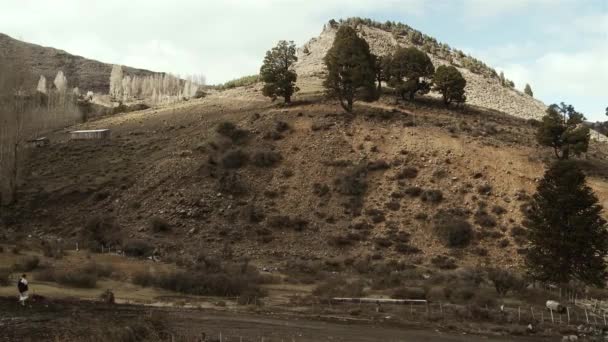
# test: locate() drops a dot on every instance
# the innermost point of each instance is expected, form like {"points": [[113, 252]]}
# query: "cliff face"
{"points": [[483, 88], [86, 74]]}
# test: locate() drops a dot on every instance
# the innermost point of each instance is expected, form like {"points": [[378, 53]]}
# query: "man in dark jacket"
{"points": [[23, 288]]}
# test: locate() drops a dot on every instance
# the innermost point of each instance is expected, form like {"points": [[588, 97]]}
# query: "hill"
{"points": [[236, 175], [84, 73]]}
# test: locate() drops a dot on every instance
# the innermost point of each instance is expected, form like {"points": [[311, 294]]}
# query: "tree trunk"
{"points": [[288, 99]]}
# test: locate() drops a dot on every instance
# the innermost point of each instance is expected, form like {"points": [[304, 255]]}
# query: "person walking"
{"points": [[23, 288]]}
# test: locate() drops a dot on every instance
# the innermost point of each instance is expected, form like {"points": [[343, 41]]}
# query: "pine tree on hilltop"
{"points": [[450, 83], [350, 68], [567, 235], [528, 90], [276, 71], [409, 68]]}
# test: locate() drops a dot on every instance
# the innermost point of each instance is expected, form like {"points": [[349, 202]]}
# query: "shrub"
{"points": [[432, 196], [413, 191], [231, 131], [137, 248], [226, 280], [320, 189], [82, 277], [518, 231], [5, 277], [443, 262], [101, 231], [498, 210], [504, 281], [338, 288], [353, 182], [378, 165], [484, 189], [421, 216], [159, 225], [76, 278], [234, 159], [484, 219], [266, 158], [281, 126], [376, 215], [453, 230], [383, 242], [230, 183], [404, 248], [408, 172], [409, 293], [27, 264]]}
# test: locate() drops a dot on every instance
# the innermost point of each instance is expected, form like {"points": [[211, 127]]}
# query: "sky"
{"points": [[559, 47]]}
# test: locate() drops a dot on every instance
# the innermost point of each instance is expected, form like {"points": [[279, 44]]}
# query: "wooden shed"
{"points": [[93, 134]]}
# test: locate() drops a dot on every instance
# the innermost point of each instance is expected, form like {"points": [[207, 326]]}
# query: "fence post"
{"points": [[532, 311], [568, 313], [551, 310], [586, 316], [518, 314]]}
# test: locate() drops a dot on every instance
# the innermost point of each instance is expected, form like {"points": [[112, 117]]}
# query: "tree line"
{"points": [[354, 73]]}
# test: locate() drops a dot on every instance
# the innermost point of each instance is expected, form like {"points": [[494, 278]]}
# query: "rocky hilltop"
{"points": [[86, 74], [484, 86]]}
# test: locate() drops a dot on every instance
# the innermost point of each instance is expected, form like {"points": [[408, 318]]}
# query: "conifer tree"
{"points": [[408, 69], [350, 68], [277, 73], [450, 83], [562, 128], [567, 235], [528, 90]]}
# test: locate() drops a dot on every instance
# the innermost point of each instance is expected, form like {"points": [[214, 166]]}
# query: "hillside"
{"points": [[483, 84], [308, 182], [84, 73]]}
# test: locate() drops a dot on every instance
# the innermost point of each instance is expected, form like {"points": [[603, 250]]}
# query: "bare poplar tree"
{"points": [[116, 81], [42, 85]]}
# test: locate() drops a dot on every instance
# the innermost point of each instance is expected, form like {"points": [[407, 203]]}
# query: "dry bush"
{"points": [[407, 172], [235, 159], [231, 131], [5, 277], [504, 281], [338, 287], [320, 189], [81, 277], [231, 183], [225, 279], [159, 225], [266, 158], [409, 293], [101, 231], [353, 182], [452, 228], [484, 219], [26, 264], [431, 196], [137, 248], [443, 262], [413, 191]]}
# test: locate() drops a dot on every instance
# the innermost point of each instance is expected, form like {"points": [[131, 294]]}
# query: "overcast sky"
{"points": [[560, 47]]}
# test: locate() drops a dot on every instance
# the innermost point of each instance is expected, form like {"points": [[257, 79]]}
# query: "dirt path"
{"points": [[45, 320], [253, 327]]}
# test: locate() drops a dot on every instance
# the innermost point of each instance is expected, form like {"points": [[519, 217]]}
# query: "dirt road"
{"points": [[47, 320]]}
